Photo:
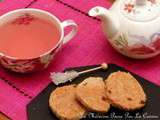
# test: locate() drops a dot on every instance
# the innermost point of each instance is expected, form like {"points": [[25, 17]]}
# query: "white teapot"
{"points": [[132, 26]]}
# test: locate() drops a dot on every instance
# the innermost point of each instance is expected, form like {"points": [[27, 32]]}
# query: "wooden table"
{"points": [[3, 117]]}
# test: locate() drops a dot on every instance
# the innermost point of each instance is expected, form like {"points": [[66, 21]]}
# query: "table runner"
{"points": [[88, 47]]}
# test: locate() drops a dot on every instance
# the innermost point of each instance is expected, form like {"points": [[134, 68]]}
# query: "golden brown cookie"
{"points": [[91, 93], [124, 91], [63, 103]]}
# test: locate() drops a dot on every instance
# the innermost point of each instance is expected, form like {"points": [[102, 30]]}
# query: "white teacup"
{"points": [[42, 61]]}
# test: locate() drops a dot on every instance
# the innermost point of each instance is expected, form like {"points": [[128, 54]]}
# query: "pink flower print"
{"points": [[141, 49], [129, 7], [23, 20], [152, 1], [156, 41]]}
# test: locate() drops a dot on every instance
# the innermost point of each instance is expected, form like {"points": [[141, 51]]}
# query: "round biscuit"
{"points": [[63, 103], [91, 93], [124, 91]]}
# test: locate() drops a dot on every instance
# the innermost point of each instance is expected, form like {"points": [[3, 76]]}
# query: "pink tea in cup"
{"points": [[28, 37]]}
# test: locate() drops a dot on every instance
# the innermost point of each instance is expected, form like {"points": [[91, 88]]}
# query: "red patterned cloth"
{"points": [[89, 47]]}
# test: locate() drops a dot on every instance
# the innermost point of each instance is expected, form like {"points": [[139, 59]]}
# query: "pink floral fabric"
{"points": [[88, 47]]}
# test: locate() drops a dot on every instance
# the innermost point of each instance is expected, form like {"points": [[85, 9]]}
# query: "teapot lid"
{"points": [[141, 10]]}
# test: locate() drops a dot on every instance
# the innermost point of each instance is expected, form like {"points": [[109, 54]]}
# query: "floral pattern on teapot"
{"points": [[130, 7], [138, 48]]}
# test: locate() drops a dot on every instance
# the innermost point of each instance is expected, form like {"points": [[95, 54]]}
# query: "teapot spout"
{"points": [[98, 12], [110, 23]]}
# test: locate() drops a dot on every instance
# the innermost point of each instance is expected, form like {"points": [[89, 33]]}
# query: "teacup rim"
{"points": [[44, 12]]}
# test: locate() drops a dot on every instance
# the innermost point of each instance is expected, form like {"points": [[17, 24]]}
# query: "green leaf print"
{"points": [[122, 41]]}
